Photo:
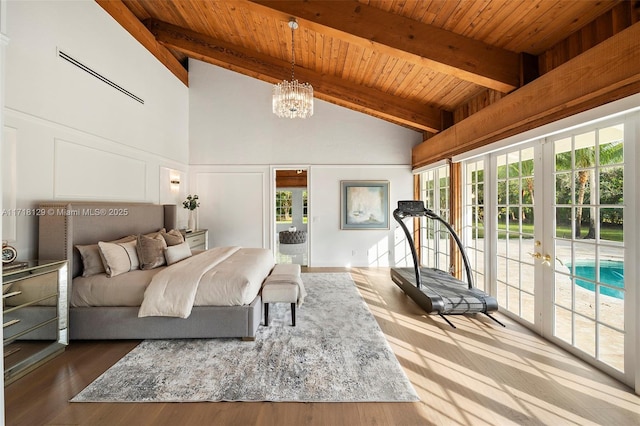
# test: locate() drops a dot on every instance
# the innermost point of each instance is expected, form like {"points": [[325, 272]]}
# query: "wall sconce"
{"points": [[175, 183]]}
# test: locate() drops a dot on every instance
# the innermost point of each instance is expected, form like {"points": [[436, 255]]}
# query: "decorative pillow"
{"points": [[91, 260], [151, 251], [118, 258], [177, 253], [155, 233], [130, 247], [173, 237], [92, 263]]}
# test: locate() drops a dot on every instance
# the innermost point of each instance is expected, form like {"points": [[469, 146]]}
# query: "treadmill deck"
{"points": [[441, 293]]}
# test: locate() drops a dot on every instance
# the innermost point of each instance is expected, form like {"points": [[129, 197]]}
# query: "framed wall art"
{"points": [[364, 204]]}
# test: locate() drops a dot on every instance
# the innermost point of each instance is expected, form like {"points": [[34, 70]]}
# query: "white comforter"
{"points": [[221, 276]]}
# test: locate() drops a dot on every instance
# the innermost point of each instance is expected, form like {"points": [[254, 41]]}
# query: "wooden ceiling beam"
{"points": [[424, 45], [602, 74], [291, 178], [130, 22], [267, 68]]}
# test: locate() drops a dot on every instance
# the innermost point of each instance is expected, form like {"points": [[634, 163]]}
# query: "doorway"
{"points": [[291, 210]]}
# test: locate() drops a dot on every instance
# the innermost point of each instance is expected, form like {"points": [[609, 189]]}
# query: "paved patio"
{"points": [[598, 321]]}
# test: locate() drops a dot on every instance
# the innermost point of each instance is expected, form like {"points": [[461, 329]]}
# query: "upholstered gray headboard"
{"points": [[63, 225]]}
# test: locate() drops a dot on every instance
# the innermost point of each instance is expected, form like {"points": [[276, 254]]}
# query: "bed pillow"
{"points": [[92, 263], [177, 252], [119, 258], [91, 260], [151, 251], [173, 237]]}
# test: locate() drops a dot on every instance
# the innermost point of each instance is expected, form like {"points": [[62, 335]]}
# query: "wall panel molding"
{"points": [[9, 183], [82, 172], [233, 205]]}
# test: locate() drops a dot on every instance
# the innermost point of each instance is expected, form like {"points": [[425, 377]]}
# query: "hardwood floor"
{"points": [[477, 374]]}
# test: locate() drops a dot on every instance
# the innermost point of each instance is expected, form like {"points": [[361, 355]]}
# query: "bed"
{"points": [[65, 225]]}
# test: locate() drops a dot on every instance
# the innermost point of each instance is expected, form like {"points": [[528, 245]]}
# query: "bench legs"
{"points": [[293, 314]]}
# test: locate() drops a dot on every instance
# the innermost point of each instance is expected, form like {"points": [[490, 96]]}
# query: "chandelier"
{"points": [[292, 99]]}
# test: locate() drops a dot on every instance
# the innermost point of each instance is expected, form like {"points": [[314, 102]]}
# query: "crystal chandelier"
{"points": [[292, 99]]}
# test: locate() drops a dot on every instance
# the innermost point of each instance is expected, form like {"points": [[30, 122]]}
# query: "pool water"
{"points": [[611, 273]]}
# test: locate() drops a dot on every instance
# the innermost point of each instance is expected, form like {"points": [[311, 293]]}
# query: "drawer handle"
{"points": [[10, 323], [13, 293]]}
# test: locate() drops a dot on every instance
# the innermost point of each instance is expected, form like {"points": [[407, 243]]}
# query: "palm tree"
{"points": [[585, 160], [524, 168], [585, 177]]}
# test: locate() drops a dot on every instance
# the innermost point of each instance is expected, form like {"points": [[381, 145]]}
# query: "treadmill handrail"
{"points": [[399, 215]]}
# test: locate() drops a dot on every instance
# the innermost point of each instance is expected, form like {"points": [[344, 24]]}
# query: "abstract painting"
{"points": [[364, 204]]}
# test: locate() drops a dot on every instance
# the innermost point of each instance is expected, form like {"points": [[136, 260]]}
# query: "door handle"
{"points": [[546, 259]]}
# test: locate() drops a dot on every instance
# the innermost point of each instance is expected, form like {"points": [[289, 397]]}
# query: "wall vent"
{"points": [[104, 79]]}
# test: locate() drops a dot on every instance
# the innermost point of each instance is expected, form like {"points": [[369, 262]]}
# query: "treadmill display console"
{"points": [[411, 206]]}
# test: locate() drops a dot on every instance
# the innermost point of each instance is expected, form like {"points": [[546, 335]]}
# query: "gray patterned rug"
{"points": [[335, 353]]}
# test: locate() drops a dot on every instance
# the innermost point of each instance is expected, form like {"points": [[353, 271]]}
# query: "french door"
{"points": [[587, 244], [553, 228], [517, 243]]}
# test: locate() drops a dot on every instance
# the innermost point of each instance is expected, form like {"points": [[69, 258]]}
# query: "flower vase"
{"points": [[191, 224]]}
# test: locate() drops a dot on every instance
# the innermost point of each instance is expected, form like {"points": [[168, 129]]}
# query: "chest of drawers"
{"points": [[198, 239], [35, 315]]}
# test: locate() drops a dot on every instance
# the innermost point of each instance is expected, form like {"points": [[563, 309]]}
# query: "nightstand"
{"points": [[35, 314], [198, 239]]}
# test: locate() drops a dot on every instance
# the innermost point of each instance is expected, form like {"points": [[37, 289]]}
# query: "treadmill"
{"points": [[436, 291]]}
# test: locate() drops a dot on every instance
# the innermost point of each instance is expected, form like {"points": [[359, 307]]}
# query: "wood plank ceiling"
{"points": [[409, 62]]}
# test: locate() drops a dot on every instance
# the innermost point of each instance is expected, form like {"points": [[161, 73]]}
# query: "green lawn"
{"points": [[606, 233]]}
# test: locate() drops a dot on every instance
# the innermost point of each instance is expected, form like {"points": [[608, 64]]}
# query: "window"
{"points": [[305, 219], [283, 207]]}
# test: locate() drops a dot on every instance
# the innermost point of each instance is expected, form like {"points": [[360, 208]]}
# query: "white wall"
{"points": [[231, 123], [332, 246], [236, 142], [74, 137], [234, 204]]}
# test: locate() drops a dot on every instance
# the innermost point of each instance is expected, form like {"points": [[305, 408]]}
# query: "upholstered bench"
{"points": [[283, 285]]}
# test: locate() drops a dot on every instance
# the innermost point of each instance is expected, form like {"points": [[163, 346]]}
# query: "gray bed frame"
{"points": [[63, 225]]}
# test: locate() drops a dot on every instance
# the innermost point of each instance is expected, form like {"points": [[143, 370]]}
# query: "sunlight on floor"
{"points": [[481, 373]]}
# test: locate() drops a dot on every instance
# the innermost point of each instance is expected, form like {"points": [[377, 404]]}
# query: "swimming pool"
{"points": [[611, 273]]}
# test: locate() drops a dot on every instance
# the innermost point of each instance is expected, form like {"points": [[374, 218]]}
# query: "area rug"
{"points": [[335, 353]]}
